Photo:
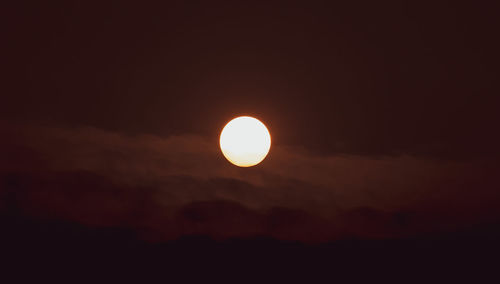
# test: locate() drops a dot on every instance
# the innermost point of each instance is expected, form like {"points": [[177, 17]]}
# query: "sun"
{"points": [[245, 141]]}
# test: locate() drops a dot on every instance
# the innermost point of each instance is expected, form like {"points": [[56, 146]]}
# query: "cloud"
{"points": [[182, 185], [156, 214]]}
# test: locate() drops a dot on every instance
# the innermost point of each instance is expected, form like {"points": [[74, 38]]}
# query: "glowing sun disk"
{"points": [[245, 141]]}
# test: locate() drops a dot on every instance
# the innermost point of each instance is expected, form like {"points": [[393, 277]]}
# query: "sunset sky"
{"points": [[383, 116]]}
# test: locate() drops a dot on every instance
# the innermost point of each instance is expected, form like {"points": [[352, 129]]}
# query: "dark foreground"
{"points": [[64, 252]]}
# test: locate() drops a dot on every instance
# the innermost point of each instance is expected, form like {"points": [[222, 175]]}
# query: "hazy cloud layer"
{"points": [[177, 185]]}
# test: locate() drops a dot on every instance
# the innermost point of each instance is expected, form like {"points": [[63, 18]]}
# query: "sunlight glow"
{"points": [[245, 141]]}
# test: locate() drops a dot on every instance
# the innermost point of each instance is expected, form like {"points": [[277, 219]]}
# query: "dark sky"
{"points": [[384, 116]]}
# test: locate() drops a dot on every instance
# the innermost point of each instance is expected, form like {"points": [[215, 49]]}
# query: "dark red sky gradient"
{"points": [[341, 77], [384, 116]]}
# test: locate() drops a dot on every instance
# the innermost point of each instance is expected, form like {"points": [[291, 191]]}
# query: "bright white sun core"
{"points": [[245, 141]]}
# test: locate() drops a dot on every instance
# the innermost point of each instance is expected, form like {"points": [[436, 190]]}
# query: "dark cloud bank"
{"points": [[165, 188], [92, 205]]}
